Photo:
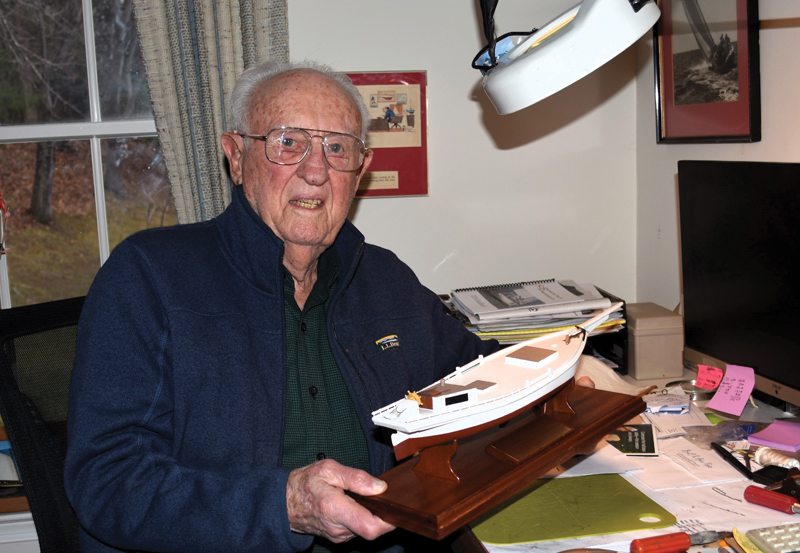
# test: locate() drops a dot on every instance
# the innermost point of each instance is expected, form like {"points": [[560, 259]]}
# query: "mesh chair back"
{"points": [[37, 351]]}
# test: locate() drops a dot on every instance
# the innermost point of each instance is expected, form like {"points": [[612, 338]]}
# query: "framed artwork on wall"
{"points": [[397, 133], [707, 78]]}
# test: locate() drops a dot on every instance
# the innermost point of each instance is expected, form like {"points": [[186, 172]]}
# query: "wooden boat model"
{"points": [[488, 391]]}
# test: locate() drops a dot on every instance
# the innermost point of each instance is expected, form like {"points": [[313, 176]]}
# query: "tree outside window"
{"points": [[80, 165]]}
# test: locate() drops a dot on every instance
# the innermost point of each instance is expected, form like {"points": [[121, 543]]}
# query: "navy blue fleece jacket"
{"points": [[177, 399]]}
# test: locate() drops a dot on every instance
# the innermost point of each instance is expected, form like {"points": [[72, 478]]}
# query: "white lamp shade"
{"points": [[572, 48]]}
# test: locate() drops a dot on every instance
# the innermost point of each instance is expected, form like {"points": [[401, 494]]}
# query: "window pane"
{"points": [[123, 87], [138, 195], [51, 236], [42, 62]]}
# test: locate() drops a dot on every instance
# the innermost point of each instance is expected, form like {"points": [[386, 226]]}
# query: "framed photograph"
{"points": [[397, 133], [707, 71]]}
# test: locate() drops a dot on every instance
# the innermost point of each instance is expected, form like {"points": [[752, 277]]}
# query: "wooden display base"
{"points": [[449, 485]]}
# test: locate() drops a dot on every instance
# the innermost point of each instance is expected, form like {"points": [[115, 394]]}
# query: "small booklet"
{"points": [[521, 298], [635, 440]]}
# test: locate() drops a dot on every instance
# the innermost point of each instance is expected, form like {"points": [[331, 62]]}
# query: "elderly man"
{"points": [[226, 370]]}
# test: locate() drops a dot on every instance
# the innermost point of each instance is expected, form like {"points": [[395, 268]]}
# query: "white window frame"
{"points": [[93, 130]]}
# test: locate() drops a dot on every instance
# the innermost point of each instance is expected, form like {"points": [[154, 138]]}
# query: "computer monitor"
{"points": [[740, 252]]}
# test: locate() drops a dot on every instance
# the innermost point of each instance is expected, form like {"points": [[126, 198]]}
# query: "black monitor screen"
{"points": [[740, 253]]}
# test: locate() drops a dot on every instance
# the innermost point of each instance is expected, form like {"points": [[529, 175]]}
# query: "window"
{"points": [[80, 163]]}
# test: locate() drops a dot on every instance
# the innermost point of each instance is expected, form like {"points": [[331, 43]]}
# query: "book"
{"points": [[520, 296], [634, 440]]}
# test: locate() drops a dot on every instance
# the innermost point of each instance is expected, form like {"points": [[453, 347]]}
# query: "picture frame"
{"points": [[399, 142], [707, 75]]}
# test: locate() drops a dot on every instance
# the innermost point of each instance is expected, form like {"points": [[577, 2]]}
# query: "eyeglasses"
{"points": [[289, 146]]}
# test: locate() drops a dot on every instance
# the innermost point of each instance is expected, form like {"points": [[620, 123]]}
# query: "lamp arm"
{"points": [[487, 14]]}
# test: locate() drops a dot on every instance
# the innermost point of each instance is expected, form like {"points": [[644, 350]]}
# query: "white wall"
{"points": [[547, 192], [657, 266]]}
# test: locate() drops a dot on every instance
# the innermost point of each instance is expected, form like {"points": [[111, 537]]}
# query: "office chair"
{"points": [[37, 351]]}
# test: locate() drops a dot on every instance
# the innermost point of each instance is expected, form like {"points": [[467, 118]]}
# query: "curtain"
{"points": [[194, 50]]}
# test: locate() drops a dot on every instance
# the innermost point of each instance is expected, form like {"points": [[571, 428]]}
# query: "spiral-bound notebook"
{"points": [[519, 297]]}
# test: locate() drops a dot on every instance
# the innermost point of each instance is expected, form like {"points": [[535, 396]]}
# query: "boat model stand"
{"points": [[516, 447], [449, 484]]}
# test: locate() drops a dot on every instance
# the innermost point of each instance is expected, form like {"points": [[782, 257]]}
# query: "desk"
{"points": [[692, 506]]}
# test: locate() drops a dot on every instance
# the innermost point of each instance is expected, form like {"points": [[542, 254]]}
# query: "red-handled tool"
{"points": [[773, 500], [675, 543]]}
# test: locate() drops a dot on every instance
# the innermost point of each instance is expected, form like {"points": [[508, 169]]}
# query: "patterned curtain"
{"points": [[194, 50]]}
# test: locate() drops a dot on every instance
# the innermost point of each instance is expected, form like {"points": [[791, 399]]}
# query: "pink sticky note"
{"points": [[708, 378], [734, 390]]}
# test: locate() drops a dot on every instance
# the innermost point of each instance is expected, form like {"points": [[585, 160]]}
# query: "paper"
{"points": [[781, 435], [745, 542], [603, 460], [660, 473], [706, 465], [708, 377], [734, 390], [676, 403], [7, 469], [605, 378]]}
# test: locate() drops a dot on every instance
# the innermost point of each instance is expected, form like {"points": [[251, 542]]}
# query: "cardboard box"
{"points": [[655, 342]]}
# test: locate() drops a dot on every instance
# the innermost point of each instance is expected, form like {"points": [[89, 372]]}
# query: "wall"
{"points": [[657, 265], [547, 192]]}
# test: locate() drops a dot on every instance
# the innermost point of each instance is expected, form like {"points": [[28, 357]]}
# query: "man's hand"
{"points": [[317, 504]]}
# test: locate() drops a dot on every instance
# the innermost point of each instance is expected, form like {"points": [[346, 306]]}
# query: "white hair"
{"points": [[252, 79]]}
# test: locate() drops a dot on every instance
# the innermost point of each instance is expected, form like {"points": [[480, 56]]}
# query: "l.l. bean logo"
{"points": [[387, 342]]}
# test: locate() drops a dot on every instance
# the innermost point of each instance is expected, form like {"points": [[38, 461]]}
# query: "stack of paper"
{"points": [[782, 435], [511, 313]]}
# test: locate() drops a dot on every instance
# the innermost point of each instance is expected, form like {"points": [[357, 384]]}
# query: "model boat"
{"points": [[487, 391]]}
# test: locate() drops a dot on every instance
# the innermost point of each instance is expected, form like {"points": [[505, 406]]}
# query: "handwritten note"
{"points": [[708, 378], [734, 390]]}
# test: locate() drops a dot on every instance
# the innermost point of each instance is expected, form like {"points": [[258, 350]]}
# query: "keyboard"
{"points": [[777, 539]]}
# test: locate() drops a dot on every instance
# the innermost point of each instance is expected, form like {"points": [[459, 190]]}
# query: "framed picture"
{"points": [[386, 95], [397, 133], [707, 71]]}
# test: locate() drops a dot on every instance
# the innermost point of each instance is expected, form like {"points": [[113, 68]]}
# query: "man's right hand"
{"points": [[317, 504]]}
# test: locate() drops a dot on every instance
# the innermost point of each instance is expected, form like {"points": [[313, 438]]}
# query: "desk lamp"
{"points": [[521, 69]]}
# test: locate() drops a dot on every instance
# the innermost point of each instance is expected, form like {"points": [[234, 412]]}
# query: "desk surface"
{"points": [[717, 506]]}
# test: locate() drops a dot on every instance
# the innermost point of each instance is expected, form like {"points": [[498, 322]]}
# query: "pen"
{"points": [[731, 459]]}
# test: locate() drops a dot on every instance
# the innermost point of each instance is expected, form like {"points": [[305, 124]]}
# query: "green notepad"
{"points": [[560, 508]]}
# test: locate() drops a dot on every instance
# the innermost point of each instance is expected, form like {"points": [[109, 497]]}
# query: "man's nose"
{"points": [[314, 167]]}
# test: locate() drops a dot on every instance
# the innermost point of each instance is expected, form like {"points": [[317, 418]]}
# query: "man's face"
{"points": [[304, 204]]}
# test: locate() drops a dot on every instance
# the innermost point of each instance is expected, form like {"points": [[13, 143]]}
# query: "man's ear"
{"points": [[363, 169], [233, 146]]}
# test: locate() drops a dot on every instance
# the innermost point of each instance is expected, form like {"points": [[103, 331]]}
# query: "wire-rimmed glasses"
{"points": [[289, 146]]}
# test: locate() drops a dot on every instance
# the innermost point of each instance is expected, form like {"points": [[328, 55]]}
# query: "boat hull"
{"points": [[410, 445], [493, 390]]}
